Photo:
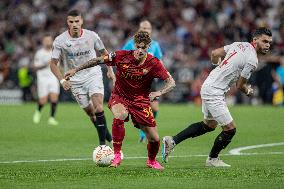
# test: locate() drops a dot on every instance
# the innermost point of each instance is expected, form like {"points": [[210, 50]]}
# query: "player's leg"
{"points": [[155, 109], [120, 113], [81, 96], [152, 146], [53, 106], [42, 91], [192, 131], [40, 104], [54, 89], [222, 115]]}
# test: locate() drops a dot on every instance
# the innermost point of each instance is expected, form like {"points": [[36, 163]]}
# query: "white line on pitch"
{"points": [[141, 157], [237, 151]]}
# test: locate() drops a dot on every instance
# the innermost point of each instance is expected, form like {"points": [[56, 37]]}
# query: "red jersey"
{"points": [[133, 81]]}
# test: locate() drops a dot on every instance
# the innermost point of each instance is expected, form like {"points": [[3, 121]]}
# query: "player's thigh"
{"points": [[155, 105], [81, 95], [141, 114], [42, 88], [97, 101], [216, 109], [53, 90]]}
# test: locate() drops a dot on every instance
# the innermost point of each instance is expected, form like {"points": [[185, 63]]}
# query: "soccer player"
{"points": [[47, 83], [154, 50], [72, 48], [239, 61], [131, 95]]}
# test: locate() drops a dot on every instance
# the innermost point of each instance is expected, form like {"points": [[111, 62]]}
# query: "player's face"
{"points": [[141, 50], [263, 43], [47, 42], [75, 24]]}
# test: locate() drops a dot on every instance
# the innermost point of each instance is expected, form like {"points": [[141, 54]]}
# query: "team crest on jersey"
{"points": [[145, 71], [68, 44]]}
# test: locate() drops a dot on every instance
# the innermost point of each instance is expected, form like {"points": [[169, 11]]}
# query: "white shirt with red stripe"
{"points": [[240, 60]]}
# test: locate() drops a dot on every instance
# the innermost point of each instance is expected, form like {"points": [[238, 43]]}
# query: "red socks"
{"points": [[118, 133], [153, 149]]}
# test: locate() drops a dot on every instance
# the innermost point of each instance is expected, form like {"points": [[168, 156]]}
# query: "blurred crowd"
{"points": [[187, 31]]}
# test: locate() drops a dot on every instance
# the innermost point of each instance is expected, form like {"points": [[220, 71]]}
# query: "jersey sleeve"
{"points": [[247, 71], [99, 45], [129, 45], [56, 49], [159, 70]]}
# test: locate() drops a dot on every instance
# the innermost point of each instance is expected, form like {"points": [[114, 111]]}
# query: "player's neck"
{"points": [[75, 34], [142, 60]]}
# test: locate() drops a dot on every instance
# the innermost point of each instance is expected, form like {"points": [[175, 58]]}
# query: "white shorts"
{"points": [[46, 86], [83, 92], [216, 109]]}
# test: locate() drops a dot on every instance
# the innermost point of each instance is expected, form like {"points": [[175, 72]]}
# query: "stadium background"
{"points": [[187, 31]]}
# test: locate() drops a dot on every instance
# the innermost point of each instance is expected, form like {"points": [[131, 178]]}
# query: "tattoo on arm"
{"points": [[169, 85], [91, 63]]}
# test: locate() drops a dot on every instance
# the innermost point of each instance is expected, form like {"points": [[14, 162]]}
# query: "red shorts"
{"points": [[141, 113]]}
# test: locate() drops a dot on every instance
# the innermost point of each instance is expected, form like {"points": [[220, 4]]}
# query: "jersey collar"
{"points": [[81, 33]]}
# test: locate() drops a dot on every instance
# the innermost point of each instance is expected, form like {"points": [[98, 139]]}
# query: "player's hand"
{"points": [[154, 95], [111, 76], [249, 90], [69, 74], [66, 85]]}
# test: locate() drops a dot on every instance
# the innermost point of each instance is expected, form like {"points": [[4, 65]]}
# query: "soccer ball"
{"points": [[103, 155]]}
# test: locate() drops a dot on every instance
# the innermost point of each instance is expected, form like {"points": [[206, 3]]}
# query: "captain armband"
{"points": [[109, 56]]}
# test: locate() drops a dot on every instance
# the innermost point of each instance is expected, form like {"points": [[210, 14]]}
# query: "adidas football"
{"points": [[103, 155]]}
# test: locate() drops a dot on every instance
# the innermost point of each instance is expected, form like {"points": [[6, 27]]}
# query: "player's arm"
{"points": [[91, 63], [110, 73], [169, 84], [56, 71], [242, 84], [217, 55]]}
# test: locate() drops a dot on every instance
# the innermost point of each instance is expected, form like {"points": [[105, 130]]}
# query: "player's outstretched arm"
{"points": [[56, 71], [169, 84], [217, 55], [89, 64]]}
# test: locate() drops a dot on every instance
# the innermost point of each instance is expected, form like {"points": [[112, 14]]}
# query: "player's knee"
{"points": [[122, 115], [208, 128], [231, 132], [210, 124]]}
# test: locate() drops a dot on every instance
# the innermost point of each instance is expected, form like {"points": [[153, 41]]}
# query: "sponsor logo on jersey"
{"points": [[71, 54]]}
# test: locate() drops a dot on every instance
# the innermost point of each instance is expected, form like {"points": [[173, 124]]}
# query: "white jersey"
{"points": [[72, 52], [42, 58], [240, 60]]}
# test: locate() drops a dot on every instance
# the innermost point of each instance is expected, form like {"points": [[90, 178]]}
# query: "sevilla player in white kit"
{"points": [[235, 63], [47, 83], [73, 48]]}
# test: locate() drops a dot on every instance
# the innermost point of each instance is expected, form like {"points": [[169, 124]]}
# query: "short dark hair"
{"points": [[142, 36], [261, 31], [74, 12]]}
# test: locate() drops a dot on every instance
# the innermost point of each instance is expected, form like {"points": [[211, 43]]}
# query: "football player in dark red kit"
{"points": [[131, 95]]}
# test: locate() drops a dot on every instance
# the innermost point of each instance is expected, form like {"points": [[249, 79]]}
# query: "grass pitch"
{"points": [[43, 156]]}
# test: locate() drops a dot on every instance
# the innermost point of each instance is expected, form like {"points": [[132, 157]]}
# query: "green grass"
{"points": [[75, 137]]}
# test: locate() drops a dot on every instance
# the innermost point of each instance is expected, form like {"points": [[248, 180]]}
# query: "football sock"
{"points": [[39, 107], [118, 132], [221, 142], [194, 130], [155, 114], [153, 149], [53, 109], [101, 127]]}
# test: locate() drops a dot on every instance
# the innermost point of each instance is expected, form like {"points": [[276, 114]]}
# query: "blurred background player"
{"points": [[154, 50], [47, 84], [240, 59], [136, 71], [72, 48]]}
